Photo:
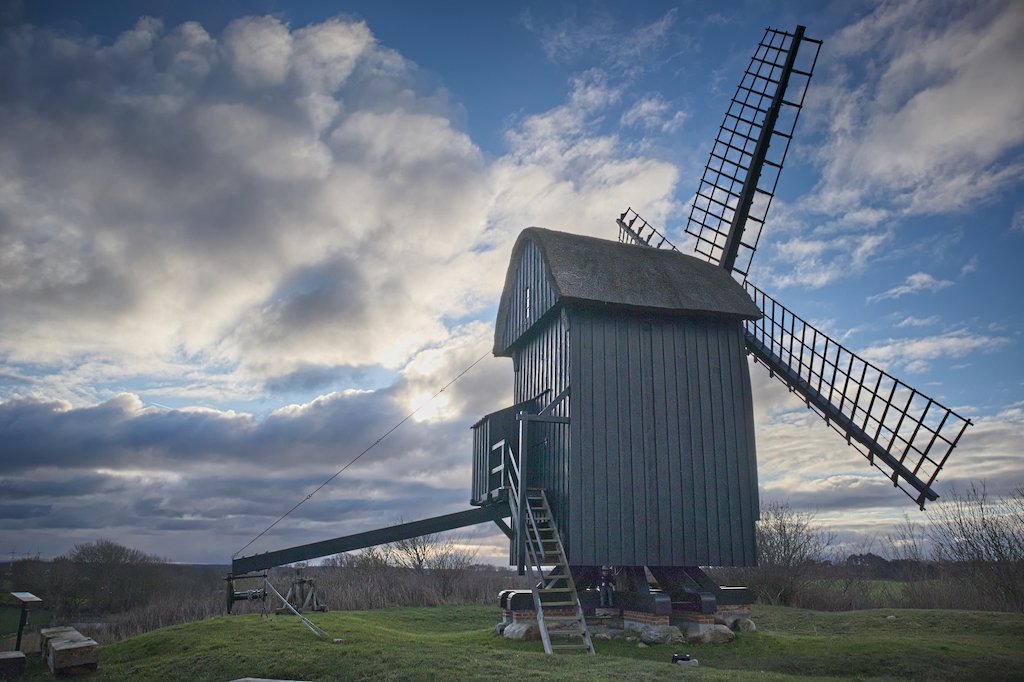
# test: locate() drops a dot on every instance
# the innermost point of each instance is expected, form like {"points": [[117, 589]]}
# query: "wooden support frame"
{"points": [[347, 543]]}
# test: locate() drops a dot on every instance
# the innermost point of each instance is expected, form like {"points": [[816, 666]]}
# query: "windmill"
{"points": [[632, 383], [630, 442]]}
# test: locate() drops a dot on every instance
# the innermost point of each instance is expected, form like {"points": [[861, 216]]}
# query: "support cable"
{"points": [[356, 458]]}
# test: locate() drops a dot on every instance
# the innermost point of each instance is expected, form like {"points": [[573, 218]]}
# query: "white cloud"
{"points": [[600, 36], [931, 129], [325, 54], [915, 283], [1017, 223], [653, 112], [970, 266], [915, 355], [911, 321], [259, 50], [917, 118], [815, 262]]}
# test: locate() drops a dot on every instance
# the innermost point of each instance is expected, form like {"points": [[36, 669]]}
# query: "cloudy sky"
{"points": [[239, 241]]}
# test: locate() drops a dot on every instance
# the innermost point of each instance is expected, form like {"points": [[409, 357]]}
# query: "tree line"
{"points": [[970, 555]]}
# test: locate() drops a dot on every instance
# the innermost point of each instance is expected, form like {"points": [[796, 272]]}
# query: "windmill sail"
{"points": [[635, 230], [904, 433], [746, 159]]}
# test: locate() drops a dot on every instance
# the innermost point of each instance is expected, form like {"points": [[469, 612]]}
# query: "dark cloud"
{"points": [[81, 484], [314, 378], [122, 433], [20, 512], [182, 471], [875, 492]]}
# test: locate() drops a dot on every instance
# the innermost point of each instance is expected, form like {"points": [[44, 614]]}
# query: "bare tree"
{"points": [[981, 541], [449, 566], [789, 544], [415, 553], [437, 557]]}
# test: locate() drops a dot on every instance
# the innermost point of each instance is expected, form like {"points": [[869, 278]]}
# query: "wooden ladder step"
{"points": [[559, 603], [570, 646]]}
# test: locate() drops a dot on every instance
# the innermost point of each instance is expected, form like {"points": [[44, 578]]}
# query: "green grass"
{"points": [[458, 642]]}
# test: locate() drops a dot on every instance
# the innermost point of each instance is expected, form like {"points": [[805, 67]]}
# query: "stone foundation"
{"points": [[673, 622], [693, 623]]}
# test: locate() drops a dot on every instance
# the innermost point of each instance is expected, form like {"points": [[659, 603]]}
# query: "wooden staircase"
{"points": [[555, 589]]}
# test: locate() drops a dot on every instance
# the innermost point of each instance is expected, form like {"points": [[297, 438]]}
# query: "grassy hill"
{"points": [[458, 642]]}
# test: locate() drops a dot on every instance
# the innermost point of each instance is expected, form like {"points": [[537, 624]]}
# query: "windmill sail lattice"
{"points": [[746, 159], [904, 433]]}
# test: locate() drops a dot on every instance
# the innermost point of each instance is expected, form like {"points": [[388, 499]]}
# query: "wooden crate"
{"points": [[12, 664], [69, 652]]}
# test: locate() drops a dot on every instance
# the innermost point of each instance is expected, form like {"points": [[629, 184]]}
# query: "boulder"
{"points": [[744, 625], [525, 631], [658, 634], [716, 634]]}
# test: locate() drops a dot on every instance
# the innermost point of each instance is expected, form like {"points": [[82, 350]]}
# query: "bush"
{"points": [[789, 549], [970, 556]]}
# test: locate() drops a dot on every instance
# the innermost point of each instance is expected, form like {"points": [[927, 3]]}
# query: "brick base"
{"points": [[734, 611], [632, 620], [728, 615]]}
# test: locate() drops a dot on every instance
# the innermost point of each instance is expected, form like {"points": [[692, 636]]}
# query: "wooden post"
{"points": [[25, 598]]}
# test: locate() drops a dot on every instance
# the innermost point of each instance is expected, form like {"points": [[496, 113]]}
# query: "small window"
{"points": [[527, 308]]}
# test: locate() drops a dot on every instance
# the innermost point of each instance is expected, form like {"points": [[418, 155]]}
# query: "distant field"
{"points": [[458, 642]]}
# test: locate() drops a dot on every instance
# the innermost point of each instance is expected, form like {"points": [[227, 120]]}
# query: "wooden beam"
{"points": [[381, 536]]}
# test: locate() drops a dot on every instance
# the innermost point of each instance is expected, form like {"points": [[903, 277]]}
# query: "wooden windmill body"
{"points": [[657, 463]]}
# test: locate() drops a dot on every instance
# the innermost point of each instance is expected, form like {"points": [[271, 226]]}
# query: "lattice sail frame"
{"points": [[635, 230], [742, 173], [902, 432]]}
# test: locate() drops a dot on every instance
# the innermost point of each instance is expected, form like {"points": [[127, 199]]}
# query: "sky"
{"points": [[239, 241]]}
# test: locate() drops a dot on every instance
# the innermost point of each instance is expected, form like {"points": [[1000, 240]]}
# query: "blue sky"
{"points": [[239, 241]]}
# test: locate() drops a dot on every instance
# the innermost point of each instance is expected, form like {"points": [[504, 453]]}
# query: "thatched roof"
{"points": [[587, 269]]}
